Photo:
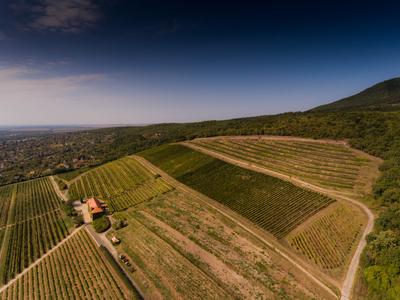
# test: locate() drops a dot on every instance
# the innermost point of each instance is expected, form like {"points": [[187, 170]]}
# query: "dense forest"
{"points": [[377, 133]]}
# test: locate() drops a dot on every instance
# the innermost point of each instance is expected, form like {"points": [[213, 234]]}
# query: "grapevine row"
{"points": [[273, 204], [76, 270], [139, 194], [35, 197], [5, 200], [29, 240], [329, 240], [110, 179], [314, 169]]}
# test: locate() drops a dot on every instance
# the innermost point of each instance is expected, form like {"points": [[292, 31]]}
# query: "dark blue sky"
{"points": [[87, 61]]}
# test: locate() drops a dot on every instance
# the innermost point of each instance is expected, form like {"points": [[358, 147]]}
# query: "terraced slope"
{"points": [[35, 225], [329, 165], [329, 241], [122, 183], [184, 249], [76, 270], [271, 203]]}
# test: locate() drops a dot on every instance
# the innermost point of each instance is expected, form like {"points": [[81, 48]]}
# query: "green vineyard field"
{"points": [[122, 183], [35, 225], [76, 270], [273, 204], [329, 240], [5, 201], [30, 239], [35, 197], [327, 165], [139, 194]]}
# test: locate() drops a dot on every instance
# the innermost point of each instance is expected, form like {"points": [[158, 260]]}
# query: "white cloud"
{"points": [[61, 15], [20, 80], [28, 97]]}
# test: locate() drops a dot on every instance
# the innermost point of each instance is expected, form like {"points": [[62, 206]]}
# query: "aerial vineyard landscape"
{"points": [[189, 224], [185, 249], [199, 150], [275, 205]]}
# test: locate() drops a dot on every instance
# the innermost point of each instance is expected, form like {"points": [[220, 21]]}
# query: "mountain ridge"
{"points": [[384, 96]]}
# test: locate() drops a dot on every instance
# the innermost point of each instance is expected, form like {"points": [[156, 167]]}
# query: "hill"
{"points": [[382, 96]]}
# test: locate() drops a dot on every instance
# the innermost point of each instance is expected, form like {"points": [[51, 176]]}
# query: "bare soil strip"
{"points": [[351, 273], [210, 202]]}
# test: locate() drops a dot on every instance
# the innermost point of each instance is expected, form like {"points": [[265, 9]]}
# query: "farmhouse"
{"points": [[96, 208]]}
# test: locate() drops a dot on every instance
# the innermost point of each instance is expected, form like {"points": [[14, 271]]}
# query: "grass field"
{"points": [[271, 203], [329, 240], [184, 249], [35, 225], [76, 270], [328, 165], [122, 183]]}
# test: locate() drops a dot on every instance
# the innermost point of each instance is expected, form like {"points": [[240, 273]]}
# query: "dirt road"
{"points": [[209, 202], [352, 270], [57, 189], [102, 240]]}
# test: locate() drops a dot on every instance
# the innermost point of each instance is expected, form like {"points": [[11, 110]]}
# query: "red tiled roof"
{"points": [[93, 203], [96, 210]]}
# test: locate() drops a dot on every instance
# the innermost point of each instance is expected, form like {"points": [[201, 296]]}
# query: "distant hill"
{"points": [[381, 96]]}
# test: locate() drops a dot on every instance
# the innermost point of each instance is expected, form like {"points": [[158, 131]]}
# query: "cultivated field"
{"points": [[35, 198], [122, 183], [6, 193], [35, 224], [329, 165], [184, 249], [271, 203], [330, 239], [75, 270]]}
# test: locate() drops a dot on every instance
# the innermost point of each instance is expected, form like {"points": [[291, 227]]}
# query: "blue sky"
{"points": [[130, 62]]}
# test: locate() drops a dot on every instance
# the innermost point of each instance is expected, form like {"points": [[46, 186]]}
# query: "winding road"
{"points": [[351, 274]]}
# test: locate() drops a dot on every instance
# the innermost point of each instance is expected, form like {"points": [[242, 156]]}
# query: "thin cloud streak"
{"points": [[27, 96], [72, 16]]}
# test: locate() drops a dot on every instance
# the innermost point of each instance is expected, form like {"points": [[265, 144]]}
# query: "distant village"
{"points": [[27, 157]]}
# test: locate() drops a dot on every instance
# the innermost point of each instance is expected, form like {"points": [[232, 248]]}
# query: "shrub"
{"points": [[78, 220], [391, 195], [101, 224], [118, 224]]}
